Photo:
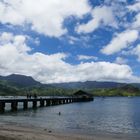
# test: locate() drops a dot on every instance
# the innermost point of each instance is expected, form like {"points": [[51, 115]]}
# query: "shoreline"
{"points": [[13, 132]]}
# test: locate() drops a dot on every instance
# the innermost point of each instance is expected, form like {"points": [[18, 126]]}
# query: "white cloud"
{"points": [[136, 23], [134, 7], [120, 41], [104, 71], [6, 38], [16, 57], [114, 1], [121, 60], [87, 57], [72, 39], [100, 16], [136, 51], [44, 16], [17, 41]]}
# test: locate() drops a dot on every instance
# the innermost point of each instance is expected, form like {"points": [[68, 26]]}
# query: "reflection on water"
{"points": [[111, 115]]}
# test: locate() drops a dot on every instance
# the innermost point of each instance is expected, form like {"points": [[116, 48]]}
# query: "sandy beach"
{"points": [[11, 132]]}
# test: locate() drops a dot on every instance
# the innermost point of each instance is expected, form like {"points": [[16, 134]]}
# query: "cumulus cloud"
{"points": [[120, 41], [87, 57], [72, 39], [121, 60], [136, 23], [16, 57], [136, 51], [44, 16], [104, 71], [134, 7], [102, 15]]}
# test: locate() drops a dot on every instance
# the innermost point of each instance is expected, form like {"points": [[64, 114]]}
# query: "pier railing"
{"points": [[42, 102]]}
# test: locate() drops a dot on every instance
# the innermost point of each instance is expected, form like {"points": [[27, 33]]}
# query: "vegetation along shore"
{"points": [[19, 85]]}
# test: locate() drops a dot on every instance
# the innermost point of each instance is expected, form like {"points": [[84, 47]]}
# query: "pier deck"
{"points": [[42, 102]]}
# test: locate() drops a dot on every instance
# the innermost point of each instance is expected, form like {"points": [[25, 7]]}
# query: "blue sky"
{"points": [[64, 41]]}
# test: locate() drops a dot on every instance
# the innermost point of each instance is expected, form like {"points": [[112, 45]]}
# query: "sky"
{"points": [[57, 41]]}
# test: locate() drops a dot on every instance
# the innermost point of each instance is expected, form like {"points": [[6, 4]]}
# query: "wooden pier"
{"points": [[42, 102]]}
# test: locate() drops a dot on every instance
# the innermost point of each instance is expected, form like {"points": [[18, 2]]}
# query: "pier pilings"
{"points": [[42, 102]]}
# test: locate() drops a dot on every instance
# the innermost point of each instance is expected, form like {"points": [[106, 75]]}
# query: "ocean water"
{"points": [[118, 115]]}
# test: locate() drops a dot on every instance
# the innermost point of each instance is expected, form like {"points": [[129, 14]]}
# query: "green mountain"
{"points": [[7, 89], [88, 85], [21, 85], [27, 81], [20, 80], [126, 90]]}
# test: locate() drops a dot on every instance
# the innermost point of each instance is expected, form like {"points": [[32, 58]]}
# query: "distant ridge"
{"points": [[28, 81], [88, 85], [20, 80], [21, 85]]}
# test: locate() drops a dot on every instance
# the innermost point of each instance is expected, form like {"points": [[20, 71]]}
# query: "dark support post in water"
{"points": [[67, 101], [42, 103], [60, 101], [48, 103], [53, 102], [14, 105], [25, 105], [2, 106], [34, 104]]}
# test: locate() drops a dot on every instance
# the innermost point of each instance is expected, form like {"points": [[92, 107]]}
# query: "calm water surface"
{"points": [[104, 115]]}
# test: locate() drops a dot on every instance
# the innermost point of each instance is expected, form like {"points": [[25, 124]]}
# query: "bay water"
{"points": [[114, 115]]}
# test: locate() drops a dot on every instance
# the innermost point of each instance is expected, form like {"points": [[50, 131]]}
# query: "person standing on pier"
{"points": [[35, 96]]}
